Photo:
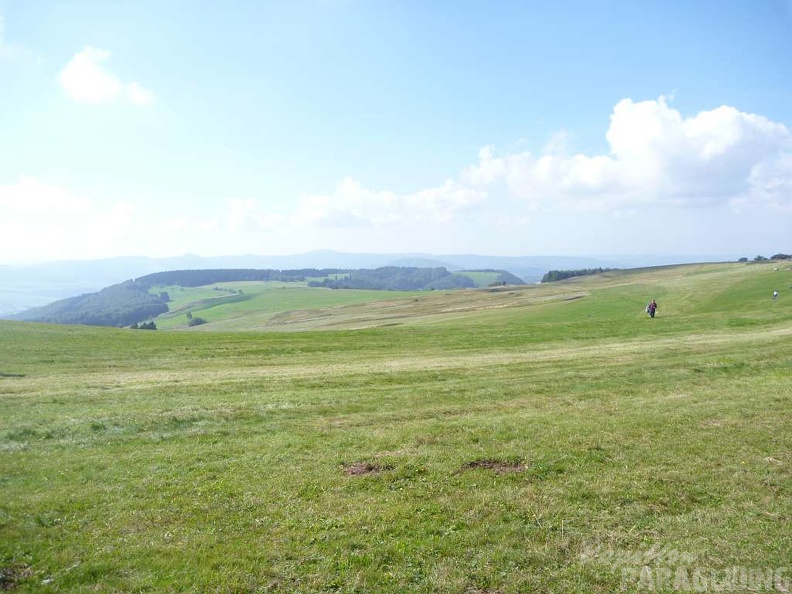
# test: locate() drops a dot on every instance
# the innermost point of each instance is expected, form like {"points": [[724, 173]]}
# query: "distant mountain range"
{"points": [[26, 286]]}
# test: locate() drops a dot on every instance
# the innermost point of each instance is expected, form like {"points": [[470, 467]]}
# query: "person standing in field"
{"points": [[651, 308]]}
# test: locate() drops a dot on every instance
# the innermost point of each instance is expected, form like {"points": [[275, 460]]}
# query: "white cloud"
{"points": [[352, 205], [29, 195], [659, 161], [87, 79], [656, 156], [46, 221], [770, 185]]}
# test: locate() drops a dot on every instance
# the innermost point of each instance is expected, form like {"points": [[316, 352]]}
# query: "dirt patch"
{"points": [[11, 575], [498, 466], [359, 468]]}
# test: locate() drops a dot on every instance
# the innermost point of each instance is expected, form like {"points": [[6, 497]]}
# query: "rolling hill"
{"points": [[26, 286], [144, 298], [543, 438]]}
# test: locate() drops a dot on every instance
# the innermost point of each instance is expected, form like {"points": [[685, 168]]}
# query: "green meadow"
{"points": [[254, 306], [546, 438]]}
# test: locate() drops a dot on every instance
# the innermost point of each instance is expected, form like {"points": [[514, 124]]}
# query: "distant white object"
{"points": [[775, 294]]}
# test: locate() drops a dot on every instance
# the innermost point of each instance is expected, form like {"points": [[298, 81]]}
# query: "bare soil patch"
{"points": [[359, 468], [12, 574], [498, 466]]}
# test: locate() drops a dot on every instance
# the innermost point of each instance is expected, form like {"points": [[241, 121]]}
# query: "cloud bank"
{"points": [[689, 173], [695, 174], [656, 157], [55, 223]]}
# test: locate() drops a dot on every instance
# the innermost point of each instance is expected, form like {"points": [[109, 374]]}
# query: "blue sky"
{"points": [[162, 128]]}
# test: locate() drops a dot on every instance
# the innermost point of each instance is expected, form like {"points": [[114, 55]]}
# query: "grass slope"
{"points": [[259, 304], [548, 439]]}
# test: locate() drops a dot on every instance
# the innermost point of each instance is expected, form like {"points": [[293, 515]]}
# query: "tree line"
{"points": [[761, 258], [394, 278], [200, 278], [557, 275]]}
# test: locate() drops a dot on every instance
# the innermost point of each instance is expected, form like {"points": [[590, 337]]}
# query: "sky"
{"points": [[515, 128]]}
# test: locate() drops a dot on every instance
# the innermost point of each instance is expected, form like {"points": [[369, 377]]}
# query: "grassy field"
{"points": [[257, 305], [548, 438]]}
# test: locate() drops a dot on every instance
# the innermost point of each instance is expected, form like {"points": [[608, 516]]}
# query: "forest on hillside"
{"points": [[393, 278], [557, 275], [200, 278], [118, 305]]}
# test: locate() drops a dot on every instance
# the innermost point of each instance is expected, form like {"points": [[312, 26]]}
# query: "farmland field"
{"points": [[544, 438]]}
